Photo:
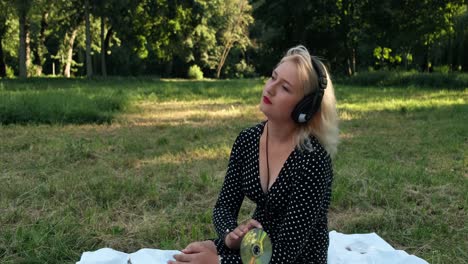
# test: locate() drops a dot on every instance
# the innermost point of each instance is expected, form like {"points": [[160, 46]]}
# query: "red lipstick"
{"points": [[266, 100]]}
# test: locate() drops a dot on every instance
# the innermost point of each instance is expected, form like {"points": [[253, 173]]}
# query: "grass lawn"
{"points": [[146, 172]]}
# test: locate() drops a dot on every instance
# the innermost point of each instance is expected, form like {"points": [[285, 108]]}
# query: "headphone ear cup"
{"points": [[310, 104], [305, 109]]}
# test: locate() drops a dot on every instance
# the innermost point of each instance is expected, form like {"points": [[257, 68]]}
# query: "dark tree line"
{"points": [[361, 34], [227, 38]]}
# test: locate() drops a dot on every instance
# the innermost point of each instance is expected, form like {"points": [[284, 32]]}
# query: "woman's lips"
{"points": [[266, 100]]}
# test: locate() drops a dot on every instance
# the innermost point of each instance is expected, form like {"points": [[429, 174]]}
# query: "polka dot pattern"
{"points": [[293, 212]]}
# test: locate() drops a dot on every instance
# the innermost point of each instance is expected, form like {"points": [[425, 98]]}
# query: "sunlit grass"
{"points": [[195, 112], [411, 104], [198, 154], [428, 101]]}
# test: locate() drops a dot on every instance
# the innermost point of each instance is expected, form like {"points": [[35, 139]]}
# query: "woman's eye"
{"points": [[273, 77], [286, 88]]}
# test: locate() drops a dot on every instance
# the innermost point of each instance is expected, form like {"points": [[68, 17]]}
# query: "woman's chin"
{"points": [[264, 111]]}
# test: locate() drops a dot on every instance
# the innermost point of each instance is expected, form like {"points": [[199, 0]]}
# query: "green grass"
{"points": [[151, 175], [435, 80], [75, 101]]}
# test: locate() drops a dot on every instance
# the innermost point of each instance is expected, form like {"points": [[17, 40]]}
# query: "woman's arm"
{"points": [[231, 196]]}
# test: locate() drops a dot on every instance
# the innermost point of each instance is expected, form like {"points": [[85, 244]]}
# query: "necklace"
{"points": [[267, 160], [267, 213]]}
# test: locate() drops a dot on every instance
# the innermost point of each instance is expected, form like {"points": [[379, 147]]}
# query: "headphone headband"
{"points": [[321, 74]]}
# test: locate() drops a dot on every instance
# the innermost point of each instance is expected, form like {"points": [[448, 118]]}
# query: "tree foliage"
{"points": [[228, 37]]}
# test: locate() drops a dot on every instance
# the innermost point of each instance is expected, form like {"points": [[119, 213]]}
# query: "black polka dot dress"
{"points": [[294, 210]]}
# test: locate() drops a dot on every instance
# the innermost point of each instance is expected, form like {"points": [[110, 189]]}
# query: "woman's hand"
{"points": [[234, 238], [194, 246], [203, 252]]}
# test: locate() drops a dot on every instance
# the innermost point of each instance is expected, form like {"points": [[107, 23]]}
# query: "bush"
{"points": [[244, 70], [442, 69], [59, 106], [10, 73], [195, 72]]}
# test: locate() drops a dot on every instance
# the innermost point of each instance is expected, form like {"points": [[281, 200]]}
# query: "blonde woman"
{"points": [[284, 165]]}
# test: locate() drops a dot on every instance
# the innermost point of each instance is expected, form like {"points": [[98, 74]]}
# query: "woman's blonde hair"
{"points": [[324, 124]]}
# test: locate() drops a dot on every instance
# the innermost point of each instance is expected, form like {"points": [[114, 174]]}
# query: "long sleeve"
{"points": [[228, 256], [231, 196], [306, 208]]}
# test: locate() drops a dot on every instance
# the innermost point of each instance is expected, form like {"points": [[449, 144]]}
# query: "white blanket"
{"points": [[142, 256], [366, 249], [343, 249]]}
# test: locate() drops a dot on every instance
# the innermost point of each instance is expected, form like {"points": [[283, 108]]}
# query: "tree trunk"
{"points": [[349, 58], [223, 59], [428, 62], [71, 41], [28, 47], [345, 32], [37, 65], [103, 48], [354, 61], [3, 29], [463, 57], [2, 60], [107, 43], [406, 58], [89, 67], [38, 49], [168, 67], [349, 70], [451, 47], [23, 68]]}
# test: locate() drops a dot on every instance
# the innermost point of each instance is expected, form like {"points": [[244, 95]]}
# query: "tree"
{"points": [[351, 28], [460, 42], [425, 24], [122, 39], [283, 24], [39, 23], [202, 40], [22, 8], [115, 17], [104, 9], [452, 38], [237, 14], [218, 27], [348, 31], [68, 16], [4, 17], [89, 67]]}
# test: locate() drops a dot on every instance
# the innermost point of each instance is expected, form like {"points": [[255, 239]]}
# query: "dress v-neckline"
{"points": [[286, 162]]}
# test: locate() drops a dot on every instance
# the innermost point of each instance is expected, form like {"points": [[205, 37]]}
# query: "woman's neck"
{"points": [[282, 133]]}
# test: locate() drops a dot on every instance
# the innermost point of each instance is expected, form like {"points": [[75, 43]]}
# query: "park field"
{"points": [[129, 163]]}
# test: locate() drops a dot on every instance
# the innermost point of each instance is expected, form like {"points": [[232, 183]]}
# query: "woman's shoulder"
{"points": [[247, 139], [252, 132], [312, 150], [315, 162]]}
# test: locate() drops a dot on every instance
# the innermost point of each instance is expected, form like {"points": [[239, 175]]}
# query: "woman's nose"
{"points": [[270, 87]]}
